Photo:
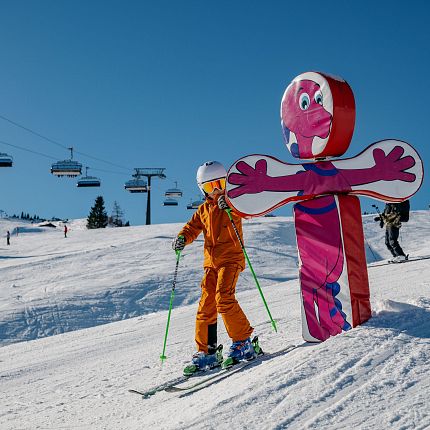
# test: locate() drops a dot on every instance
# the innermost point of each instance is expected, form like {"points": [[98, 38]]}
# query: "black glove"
{"points": [[222, 204], [380, 219], [178, 243]]}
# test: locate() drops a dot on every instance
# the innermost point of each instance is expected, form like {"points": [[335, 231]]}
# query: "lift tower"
{"points": [[149, 173]]}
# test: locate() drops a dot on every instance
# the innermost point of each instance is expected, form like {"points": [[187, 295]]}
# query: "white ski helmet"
{"points": [[210, 171]]}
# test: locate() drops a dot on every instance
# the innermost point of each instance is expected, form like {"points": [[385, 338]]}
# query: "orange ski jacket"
{"points": [[221, 245]]}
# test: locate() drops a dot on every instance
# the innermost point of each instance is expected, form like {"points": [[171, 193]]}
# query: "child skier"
{"points": [[223, 262]]}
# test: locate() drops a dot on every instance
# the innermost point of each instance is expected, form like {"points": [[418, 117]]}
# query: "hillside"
{"points": [[375, 376]]}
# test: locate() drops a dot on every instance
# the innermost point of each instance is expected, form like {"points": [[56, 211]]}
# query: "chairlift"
{"points": [[136, 185], [173, 192], [194, 204], [88, 181], [170, 202], [69, 168], [5, 160]]}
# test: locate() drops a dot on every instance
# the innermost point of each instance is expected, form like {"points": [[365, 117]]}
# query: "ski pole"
{"points": [[371, 250], [252, 270], [172, 295], [377, 209], [381, 218]]}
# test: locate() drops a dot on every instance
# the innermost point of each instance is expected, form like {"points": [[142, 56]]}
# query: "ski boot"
{"points": [[243, 350], [400, 259], [202, 362]]}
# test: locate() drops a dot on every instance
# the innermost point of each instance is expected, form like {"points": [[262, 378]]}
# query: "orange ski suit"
{"points": [[223, 262]]}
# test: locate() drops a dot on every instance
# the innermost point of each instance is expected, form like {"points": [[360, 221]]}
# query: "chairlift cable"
{"points": [[103, 161], [26, 149], [33, 132], [55, 142]]}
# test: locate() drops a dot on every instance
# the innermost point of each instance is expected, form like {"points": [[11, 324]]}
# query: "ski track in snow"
{"points": [[375, 376]]}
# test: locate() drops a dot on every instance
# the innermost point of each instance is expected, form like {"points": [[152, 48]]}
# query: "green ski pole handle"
{"points": [[172, 295], [251, 268]]}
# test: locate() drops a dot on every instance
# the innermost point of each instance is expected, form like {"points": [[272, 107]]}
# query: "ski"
{"points": [[161, 387], [205, 379], [224, 373], [179, 380], [409, 260]]}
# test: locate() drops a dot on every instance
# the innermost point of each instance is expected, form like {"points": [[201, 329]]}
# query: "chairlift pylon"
{"points": [[69, 168], [138, 185]]}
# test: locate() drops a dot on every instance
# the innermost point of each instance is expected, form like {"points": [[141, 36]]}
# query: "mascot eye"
{"points": [[318, 97], [304, 101]]}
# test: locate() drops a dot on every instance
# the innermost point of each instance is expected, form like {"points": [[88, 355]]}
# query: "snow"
{"points": [[82, 320]]}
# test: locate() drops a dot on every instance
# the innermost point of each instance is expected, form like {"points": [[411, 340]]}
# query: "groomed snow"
{"points": [[373, 377]]}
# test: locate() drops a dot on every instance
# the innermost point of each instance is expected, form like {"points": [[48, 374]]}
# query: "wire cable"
{"points": [[55, 142], [26, 149]]}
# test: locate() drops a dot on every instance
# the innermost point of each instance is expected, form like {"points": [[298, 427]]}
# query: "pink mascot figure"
{"points": [[317, 118]]}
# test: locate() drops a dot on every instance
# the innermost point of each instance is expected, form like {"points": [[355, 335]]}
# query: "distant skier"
{"points": [[223, 262], [392, 217], [65, 231], [8, 237]]}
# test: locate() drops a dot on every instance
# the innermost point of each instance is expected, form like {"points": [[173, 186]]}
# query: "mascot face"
{"points": [[303, 114], [312, 111]]}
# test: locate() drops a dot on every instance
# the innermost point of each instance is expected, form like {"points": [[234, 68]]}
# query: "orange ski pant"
{"points": [[218, 297]]}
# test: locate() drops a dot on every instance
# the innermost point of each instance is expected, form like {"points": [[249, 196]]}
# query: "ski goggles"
{"points": [[210, 186]]}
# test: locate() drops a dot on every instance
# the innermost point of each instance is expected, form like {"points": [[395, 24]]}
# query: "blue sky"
{"points": [[173, 84]]}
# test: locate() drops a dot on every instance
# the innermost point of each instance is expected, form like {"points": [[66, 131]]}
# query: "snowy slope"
{"points": [[51, 284], [373, 377]]}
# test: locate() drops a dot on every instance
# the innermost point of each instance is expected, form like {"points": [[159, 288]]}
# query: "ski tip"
{"points": [[140, 393]]}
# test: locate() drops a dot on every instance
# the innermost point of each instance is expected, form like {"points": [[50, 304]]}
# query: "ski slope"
{"points": [[104, 295]]}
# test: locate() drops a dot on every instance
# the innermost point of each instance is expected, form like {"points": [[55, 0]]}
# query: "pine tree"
{"points": [[117, 215], [97, 217]]}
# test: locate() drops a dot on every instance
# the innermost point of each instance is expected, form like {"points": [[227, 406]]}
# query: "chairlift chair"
{"points": [[69, 168], [170, 202], [173, 192], [136, 185], [195, 204], [88, 181], [5, 160]]}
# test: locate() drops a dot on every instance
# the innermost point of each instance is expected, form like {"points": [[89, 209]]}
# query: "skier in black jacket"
{"points": [[392, 219]]}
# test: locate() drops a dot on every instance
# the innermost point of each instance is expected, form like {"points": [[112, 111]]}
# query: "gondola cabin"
{"points": [[5, 160]]}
